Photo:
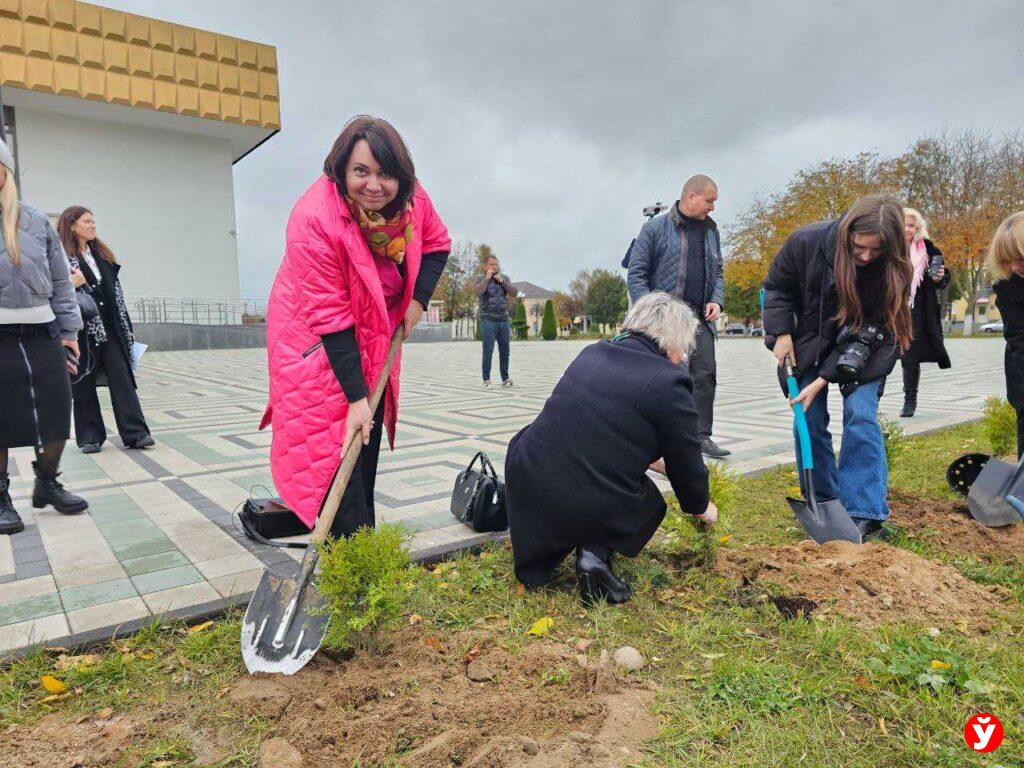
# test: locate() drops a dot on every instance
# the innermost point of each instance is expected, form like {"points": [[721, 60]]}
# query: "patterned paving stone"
{"points": [[159, 533]]}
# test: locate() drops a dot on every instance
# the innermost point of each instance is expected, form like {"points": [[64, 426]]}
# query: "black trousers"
{"points": [[704, 371], [89, 426], [1013, 362], [356, 509]]}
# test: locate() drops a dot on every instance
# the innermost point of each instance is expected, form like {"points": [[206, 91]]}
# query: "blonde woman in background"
{"points": [[39, 324], [1006, 263]]}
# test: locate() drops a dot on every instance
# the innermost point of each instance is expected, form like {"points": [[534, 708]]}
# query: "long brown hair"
{"points": [[387, 147], [880, 215], [66, 230]]}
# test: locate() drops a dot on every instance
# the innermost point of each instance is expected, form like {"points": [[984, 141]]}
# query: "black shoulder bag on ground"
{"points": [[266, 519], [478, 499]]}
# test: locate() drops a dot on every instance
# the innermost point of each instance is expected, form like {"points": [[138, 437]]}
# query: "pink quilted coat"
{"points": [[328, 282]]}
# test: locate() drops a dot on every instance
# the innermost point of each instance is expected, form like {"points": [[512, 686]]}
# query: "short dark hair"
{"points": [[387, 147]]}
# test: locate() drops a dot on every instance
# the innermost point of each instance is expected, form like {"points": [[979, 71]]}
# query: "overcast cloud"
{"points": [[544, 127]]}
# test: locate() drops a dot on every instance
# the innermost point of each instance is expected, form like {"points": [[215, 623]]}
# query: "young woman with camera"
{"points": [[39, 324], [930, 277], [846, 279], [1006, 263]]}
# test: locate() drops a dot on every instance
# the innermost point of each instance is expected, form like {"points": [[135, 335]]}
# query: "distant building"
{"points": [[534, 297], [141, 121]]}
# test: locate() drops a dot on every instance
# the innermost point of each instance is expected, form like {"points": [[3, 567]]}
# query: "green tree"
{"points": [[606, 297], [547, 326], [519, 324]]}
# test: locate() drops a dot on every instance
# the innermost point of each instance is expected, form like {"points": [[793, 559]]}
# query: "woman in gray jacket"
{"points": [[39, 324]]}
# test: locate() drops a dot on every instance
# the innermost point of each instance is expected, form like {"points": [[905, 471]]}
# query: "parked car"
{"points": [[996, 327], [735, 329], [757, 330]]}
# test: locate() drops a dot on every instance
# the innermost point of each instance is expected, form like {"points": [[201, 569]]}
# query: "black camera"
{"points": [[934, 265], [857, 345], [653, 210]]}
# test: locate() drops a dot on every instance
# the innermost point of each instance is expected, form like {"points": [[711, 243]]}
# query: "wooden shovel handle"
{"points": [[355, 445]]}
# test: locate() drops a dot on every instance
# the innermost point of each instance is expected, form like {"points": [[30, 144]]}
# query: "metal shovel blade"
{"points": [[279, 632], [825, 520], [987, 497]]}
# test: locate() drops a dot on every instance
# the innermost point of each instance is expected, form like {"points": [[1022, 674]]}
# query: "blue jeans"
{"points": [[862, 479], [495, 330]]}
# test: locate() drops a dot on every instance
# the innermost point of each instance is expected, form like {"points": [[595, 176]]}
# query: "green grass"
{"points": [[738, 684]]}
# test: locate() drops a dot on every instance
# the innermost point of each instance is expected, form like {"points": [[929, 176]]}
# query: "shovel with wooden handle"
{"points": [[287, 618]]}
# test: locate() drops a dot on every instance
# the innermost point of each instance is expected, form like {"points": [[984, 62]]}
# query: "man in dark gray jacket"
{"points": [[494, 290], [680, 252]]}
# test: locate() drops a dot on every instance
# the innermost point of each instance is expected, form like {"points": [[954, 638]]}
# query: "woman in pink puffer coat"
{"points": [[364, 251]]}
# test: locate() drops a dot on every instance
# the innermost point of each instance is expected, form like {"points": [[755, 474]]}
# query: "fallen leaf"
{"points": [[223, 692], [105, 714], [147, 655], [520, 589], [53, 698], [962, 627], [434, 644], [55, 649], [442, 585], [795, 492], [65, 662], [881, 726], [52, 684], [473, 653], [712, 656], [541, 626], [185, 663], [200, 627], [724, 539], [415, 619], [936, 664], [863, 681]]}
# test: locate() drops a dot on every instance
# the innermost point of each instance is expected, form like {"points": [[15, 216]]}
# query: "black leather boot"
{"points": [[48, 490], [10, 520], [911, 377], [598, 580]]}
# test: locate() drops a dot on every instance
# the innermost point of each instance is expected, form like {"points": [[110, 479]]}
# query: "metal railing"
{"points": [[198, 311]]}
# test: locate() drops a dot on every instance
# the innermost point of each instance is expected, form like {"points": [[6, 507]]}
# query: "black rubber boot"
{"points": [[48, 490], [911, 377], [598, 580], [10, 520]]}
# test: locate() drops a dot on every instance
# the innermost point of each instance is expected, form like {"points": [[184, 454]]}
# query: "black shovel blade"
{"points": [[264, 647], [987, 497], [825, 520]]}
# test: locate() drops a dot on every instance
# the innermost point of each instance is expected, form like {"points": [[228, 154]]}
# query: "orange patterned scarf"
{"points": [[386, 237]]}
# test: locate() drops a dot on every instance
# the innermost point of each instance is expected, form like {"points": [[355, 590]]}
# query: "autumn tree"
{"points": [[565, 309]]}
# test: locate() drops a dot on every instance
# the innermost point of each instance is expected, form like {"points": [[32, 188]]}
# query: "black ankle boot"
{"points": [[10, 520], [48, 490], [909, 404], [598, 580]]}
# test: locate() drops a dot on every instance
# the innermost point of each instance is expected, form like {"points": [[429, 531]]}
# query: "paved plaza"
{"points": [[159, 537]]}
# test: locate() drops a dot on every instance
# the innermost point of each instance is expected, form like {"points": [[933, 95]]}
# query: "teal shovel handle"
{"points": [[801, 420]]}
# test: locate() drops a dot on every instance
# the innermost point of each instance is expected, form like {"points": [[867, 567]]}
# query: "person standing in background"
{"points": [[494, 290]]}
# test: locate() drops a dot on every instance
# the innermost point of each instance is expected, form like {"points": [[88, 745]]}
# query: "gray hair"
{"points": [[697, 184], [922, 224], [667, 320]]}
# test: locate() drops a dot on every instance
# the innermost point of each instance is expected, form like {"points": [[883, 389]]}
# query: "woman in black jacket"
{"points": [[830, 281], [106, 341], [1006, 263], [576, 477], [925, 307]]}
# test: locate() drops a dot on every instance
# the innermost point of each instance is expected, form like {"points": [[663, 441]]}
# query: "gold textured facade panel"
{"points": [[35, 10], [64, 45], [138, 30], [77, 49], [206, 44], [62, 14]]}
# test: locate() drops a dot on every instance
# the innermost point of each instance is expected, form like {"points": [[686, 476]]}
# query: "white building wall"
{"points": [[164, 201]]}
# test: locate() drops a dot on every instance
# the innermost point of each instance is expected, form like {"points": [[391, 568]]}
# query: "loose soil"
{"points": [[415, 705], [947, 526], [872, 584]]}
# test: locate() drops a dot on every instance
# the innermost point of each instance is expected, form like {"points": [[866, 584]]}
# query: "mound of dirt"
{"points": [[870, 583], [539, 708], [948, 526], [54, 742]]}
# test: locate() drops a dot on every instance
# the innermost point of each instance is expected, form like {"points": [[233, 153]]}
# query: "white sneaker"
{"points": [[507, 383], [487, 385]]}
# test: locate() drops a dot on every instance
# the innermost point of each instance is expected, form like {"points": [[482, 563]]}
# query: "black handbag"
{"points": [[478, 499], [266, 519], [87, 305]]}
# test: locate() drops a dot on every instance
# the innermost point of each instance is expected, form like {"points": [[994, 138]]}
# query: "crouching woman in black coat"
{"points": [[576, 477]]}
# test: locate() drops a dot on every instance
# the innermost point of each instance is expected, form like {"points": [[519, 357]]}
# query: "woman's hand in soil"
{"points": [[659, 467], [783, 348], [806, 397], [710, 515], [359, 419]]}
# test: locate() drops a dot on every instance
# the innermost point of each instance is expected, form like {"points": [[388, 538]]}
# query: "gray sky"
{"points": [[543, 128]]}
